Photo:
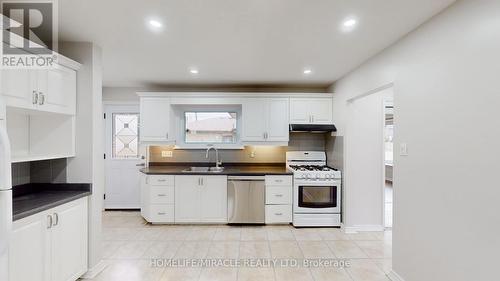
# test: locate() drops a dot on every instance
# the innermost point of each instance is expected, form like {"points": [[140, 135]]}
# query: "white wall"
{"points": [[120, 94], [88, 165], [447, 102]]}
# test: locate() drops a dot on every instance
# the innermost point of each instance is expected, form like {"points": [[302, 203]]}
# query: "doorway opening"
{"points": [[388, 160]]}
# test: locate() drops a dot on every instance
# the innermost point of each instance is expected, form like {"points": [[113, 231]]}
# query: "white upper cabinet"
{"points": [[311, 111], [277, 120], [57, 89], [18, 88], [155, 120], [49, 90], [265, 120], [254, 117]]}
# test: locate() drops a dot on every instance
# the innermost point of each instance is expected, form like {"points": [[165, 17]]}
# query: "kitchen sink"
{"points": [[203, 170]]}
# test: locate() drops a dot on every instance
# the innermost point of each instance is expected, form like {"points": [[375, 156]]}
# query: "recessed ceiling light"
{"points": [[194, 71], [307, 71], [155, 24], [350, 23]]}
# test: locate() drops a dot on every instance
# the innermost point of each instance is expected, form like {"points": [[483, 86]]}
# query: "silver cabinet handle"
{"points": [[41, 100], [56, 215], [49, 221], [279, 180], [34, 97], [278, 214], [202, 181], [278, 195], [141, 165], [162, 195], [161, 213], [162, 180]]}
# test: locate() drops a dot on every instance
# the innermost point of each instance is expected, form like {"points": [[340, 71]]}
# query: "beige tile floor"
{"points": [[130, 244]]}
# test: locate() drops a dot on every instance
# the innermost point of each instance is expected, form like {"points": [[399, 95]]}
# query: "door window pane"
{"points": [[125, 135], [210, 127]]}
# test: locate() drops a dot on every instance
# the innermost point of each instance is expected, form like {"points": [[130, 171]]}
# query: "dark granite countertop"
{"points": [[233, 169], [33, 198]]}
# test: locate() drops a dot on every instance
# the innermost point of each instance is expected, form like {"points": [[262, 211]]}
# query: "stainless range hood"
{"points": [[312, 128]]}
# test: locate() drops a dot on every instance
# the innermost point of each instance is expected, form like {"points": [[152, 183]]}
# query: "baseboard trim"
{"points": [[363, 228], [94, 271], [394, 276]]}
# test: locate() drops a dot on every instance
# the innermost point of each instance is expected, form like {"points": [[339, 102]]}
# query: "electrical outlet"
{"points": [[166, 153], [252, 154]]}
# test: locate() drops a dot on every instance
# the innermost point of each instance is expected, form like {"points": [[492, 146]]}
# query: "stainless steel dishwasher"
{"points": [[246, 200]]}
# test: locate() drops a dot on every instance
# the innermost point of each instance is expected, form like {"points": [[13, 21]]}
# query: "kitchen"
{"points": [[184, 140]]}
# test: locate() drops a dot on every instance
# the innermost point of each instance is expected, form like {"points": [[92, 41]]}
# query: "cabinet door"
{"points": [[187, 198], [155, 119], [321, 110], [69, 241], [214, 199], [254, 119], [57, 90], [29, 251], [18, 87], [277, 120], [300, 111]]}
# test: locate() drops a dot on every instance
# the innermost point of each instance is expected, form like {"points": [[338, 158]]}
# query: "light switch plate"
{"points": [[403, 149], [166, 154]]}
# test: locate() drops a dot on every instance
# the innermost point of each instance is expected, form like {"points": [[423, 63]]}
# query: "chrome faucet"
{"points": [[217, 162]]}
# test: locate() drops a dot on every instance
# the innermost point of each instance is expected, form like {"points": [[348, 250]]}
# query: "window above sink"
{"points": [[210, 127], [203, 126]]}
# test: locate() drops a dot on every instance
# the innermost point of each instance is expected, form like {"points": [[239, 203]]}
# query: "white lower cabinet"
{"points": [[51, 245], [279, 198], [203, 199], [200, 199], [158, 198], [278, 214]]}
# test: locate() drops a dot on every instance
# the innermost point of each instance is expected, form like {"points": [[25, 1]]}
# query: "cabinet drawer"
{"points": [[279, 194], [278, 213], [162, 213], [279, 180], [162, 195], [161, 180]]}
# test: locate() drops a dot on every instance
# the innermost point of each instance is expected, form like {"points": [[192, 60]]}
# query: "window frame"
{"points": [[210, 143], [180, 123]]}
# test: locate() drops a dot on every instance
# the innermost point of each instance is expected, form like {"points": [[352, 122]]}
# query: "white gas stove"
{"points": [[317, 189]]}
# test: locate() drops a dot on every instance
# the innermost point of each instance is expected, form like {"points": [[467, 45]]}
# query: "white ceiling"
{"points": [[238, 41]]}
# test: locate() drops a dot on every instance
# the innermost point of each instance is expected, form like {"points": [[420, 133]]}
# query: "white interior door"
{"points": [[123, 159]]}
